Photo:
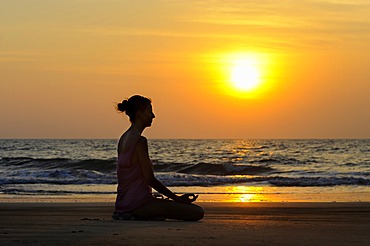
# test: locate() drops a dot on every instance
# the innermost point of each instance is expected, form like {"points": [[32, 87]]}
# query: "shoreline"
{"points": [[244, 197], [225, 223]]}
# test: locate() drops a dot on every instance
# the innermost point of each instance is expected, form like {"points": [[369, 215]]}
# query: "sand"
{"points": [[224, 224]]}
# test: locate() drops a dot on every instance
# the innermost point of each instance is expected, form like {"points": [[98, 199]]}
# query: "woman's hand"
{"points": [[186, 198]]}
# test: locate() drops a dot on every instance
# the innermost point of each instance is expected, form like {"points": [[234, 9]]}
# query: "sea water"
{"points": [[218, 170]]}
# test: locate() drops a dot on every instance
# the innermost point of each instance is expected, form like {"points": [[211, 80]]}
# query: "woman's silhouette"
{"points": [[136, 177]]}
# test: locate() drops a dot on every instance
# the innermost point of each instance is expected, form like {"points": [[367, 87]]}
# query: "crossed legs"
{"points": [[170, 210]]}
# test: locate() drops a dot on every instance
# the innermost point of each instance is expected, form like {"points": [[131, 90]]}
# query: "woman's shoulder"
{"points": [[128, 141], [143, 140], [142, 143]]}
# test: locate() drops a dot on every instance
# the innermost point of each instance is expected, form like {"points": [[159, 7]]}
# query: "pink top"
{"points": [[132, 191]]}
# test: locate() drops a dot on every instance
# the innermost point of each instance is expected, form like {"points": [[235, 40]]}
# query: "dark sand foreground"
{"points": [[224, 224]]}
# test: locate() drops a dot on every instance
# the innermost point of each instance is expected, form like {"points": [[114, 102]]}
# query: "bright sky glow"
{"points": [[214, 69]]}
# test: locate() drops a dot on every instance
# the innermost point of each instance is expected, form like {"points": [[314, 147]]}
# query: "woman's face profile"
{"points": [[147, 115]]}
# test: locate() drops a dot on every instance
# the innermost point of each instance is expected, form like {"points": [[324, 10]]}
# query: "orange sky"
{"points": [[63, 65]]}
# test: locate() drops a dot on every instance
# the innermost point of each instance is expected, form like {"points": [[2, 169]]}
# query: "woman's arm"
{"points": [[148, 173]]}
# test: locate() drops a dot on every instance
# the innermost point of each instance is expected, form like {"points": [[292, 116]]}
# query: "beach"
{"points": [[254, 192], [225, 223]]}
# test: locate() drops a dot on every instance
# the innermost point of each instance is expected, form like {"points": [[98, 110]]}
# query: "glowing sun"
{"points": [[245, 74]]}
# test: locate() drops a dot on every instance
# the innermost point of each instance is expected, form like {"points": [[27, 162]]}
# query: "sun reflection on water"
{"points": [[246, 194]]}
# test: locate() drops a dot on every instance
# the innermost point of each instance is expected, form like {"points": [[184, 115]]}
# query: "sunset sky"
{"points": [[65, 64]]}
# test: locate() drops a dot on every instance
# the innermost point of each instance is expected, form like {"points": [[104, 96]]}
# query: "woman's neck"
{"points": [[138, 128]]}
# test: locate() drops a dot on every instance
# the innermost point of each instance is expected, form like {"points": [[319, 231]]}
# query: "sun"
{"points": [[245, 74]]}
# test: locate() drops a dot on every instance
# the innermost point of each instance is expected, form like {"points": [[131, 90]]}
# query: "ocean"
{"points": [[217, 170]]}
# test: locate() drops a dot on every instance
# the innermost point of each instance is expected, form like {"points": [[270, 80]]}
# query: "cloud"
{"points": [[299, 23]]}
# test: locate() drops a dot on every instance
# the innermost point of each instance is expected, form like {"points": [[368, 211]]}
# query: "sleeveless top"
{"points": [[132, 190]]}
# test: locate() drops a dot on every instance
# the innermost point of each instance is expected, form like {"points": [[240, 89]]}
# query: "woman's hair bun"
{"points": [[123, 106]]}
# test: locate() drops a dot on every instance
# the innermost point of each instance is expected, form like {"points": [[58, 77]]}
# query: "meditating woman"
{"points": [[136, 177]]}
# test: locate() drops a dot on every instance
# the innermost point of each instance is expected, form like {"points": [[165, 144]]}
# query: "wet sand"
{"points": [[224, 224]]}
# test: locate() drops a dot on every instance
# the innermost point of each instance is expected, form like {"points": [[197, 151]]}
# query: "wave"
{"points": [[226, 169], [318, 181], [64, 171], [109, 166], [100, 165], [178, 179], [197, 180]]}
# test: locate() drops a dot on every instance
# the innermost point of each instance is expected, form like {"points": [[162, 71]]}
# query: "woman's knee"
{"points": [[197, 213]]}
